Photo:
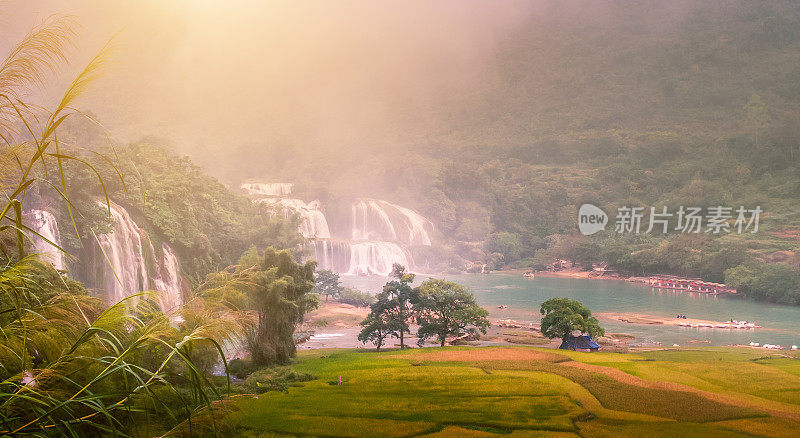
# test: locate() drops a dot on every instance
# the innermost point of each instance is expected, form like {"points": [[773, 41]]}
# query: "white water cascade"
{"points": [[268, 189], [381, 220], [379, 236], [124, 271], [368, 258], [44, 223], [312, 220], [332, 254], [168, 280]]}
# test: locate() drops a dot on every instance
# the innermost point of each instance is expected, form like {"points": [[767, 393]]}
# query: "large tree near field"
{"points": [[274, 290], [564, 316], [392, 311], [444, 308]]}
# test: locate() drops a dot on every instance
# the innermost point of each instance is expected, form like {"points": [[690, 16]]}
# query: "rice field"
{"points": [[526, 391]]}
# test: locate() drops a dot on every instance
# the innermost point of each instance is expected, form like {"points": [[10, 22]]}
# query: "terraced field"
{"points": [[523, 391]]}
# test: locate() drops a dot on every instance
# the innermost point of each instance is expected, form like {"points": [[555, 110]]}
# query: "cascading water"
{"points": [[332, 254], [416, 225], [368, 258], [370, 222], [124, 271], [168, 281], [44, 223], [381, 220], [379, 235], [312, 223], [268, 189]]}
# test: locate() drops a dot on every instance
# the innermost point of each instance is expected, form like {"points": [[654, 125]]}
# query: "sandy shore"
{"points": [[571, 273], [639, 318], [334, 314]]}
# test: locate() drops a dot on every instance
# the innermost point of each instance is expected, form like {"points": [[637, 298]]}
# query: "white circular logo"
{"points": [[591, 219]]}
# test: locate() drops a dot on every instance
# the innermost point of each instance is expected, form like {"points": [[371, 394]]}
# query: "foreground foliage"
{"points": [[71, 368]]}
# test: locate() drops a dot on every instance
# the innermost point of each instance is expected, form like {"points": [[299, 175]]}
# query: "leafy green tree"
{"points": [[327, 284], [774, 282], [392, 310], [507, 244], [400, 297], [274, 289], [444, 308], [741, 278], [564, 316], [376, 328], [355, 297]]}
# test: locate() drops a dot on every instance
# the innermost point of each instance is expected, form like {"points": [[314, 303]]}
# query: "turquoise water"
{"points": [[523, 296]]}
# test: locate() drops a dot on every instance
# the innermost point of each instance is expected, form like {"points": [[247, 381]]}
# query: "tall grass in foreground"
{"points": [[68, 367], [71, 368]]}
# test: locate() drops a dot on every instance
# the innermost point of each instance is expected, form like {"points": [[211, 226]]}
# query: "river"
{"points": [[523, 296]]}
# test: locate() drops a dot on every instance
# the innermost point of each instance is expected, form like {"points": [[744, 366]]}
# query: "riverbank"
{"points": [[640, 318], [337, 325], [508, 295]]}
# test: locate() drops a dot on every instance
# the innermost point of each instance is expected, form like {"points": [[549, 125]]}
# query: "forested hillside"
{"points": [[680, 103]]}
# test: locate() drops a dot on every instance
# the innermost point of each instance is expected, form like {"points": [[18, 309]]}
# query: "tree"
{"points": [[774, 282], [444, 308], [327, 284], [564, 316], [274, 290], [392, 310], [377, 326], [355, 297], [399, 297], [507, 244]]}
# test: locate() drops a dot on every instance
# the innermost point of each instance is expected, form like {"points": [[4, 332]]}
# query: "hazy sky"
{"points": [[315, 73]]}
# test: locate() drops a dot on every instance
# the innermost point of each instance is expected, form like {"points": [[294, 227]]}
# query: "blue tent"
{"points": [[583, 342]]}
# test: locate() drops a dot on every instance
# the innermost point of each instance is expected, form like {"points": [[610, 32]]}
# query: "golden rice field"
{"points": [[525, 391]]}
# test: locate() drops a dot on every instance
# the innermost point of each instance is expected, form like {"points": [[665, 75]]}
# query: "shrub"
{"points": [[355, 297], [240, 368], [275, 379]]}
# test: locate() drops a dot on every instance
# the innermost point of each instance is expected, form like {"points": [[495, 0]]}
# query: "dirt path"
{"points": [[626, 378]]}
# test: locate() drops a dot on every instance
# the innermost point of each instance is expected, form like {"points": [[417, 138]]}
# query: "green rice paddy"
{"points": [[525, 391]]}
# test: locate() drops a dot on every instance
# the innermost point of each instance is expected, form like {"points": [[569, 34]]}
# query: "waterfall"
{"points": [[358, 258], [332, 255], [376, 220], [371, 222], [123, 248], [379, 236], [415, 224], [168, 281], [312, 220], [44, 223], [367, 258], [268, 189]]}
